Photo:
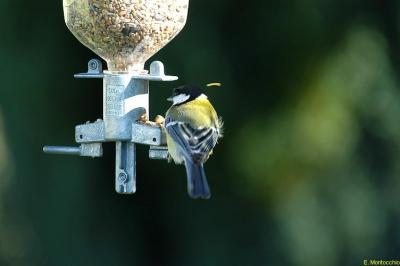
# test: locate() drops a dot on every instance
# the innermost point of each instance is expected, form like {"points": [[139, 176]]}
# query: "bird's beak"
{"points": [[170, 99]]}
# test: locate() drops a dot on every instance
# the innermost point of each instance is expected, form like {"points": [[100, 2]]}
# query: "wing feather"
{"points": [[195, 143]]}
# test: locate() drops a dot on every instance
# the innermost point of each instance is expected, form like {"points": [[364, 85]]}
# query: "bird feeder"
{"points": [[125, 33]]}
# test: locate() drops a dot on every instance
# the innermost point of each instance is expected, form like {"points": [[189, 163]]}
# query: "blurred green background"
{"points": [[308, 172]]}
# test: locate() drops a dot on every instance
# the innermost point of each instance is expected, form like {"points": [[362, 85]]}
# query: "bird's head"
{"points": [[186, 93]]}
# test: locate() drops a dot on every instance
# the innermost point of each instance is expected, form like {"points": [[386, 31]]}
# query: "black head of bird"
{"points": [[184, 94]]}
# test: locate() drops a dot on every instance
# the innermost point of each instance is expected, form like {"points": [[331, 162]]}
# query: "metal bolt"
{"points": [[93, 65], [122, 178]]}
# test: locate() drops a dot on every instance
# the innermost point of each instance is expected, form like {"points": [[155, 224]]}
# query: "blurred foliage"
{"points": [[307, 173]]}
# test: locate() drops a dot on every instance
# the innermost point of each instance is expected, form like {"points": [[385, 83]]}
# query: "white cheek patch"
{"points": [[181, 98]]}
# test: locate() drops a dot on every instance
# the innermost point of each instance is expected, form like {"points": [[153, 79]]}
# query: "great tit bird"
{"points": [[193, 129]]}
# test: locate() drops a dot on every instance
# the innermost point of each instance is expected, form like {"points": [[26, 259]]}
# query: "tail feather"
{"points": [[197, 181]]}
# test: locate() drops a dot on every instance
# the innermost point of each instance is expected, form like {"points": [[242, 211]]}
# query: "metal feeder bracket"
{"points": [[125, 101]]}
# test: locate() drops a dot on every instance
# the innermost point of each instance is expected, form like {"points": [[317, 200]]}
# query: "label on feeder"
{"points": [[115, 100]]}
